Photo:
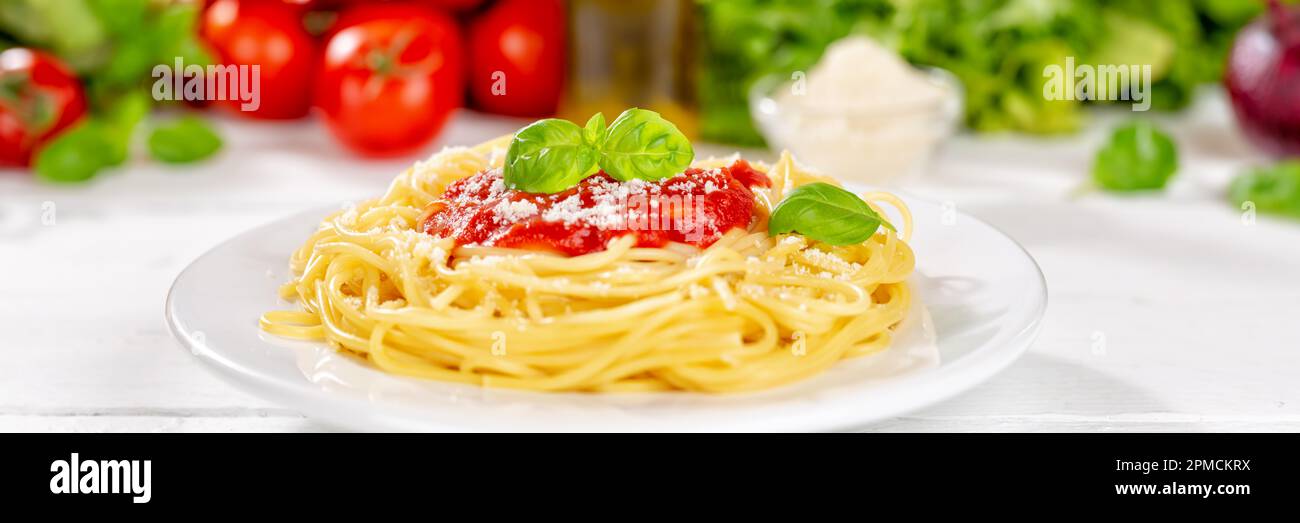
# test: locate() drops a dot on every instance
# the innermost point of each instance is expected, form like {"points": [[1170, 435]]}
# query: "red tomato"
{"points": [[363, 13], [390, 78], [455, 5], [38, 98], [519, 57], [270, 35]]}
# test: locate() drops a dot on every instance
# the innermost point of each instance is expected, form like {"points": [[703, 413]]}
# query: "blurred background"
{"points": [[91, 86]]}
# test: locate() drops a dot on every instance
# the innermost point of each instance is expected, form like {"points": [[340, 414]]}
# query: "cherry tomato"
{"points": [[390, 77], [519, 57], [270, 35], [39, 97]]}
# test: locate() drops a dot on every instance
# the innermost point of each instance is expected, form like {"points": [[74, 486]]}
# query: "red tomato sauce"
{"points": [[696, 207]]}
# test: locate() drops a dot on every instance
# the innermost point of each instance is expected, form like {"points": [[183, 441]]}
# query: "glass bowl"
{"points": [[876, 146]]}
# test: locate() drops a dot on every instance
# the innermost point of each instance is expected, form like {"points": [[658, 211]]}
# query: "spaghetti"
{"points": [[746, 312]]}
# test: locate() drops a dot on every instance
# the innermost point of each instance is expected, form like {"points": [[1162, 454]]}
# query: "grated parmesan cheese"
{"points": [[513, 211]]}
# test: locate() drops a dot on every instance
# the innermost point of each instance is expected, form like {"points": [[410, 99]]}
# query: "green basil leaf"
{"points": [[175, 34], [826, 213], [1272, 190], [1138, 157], [75, 155], [594, 135], [594, 132], [120, 120], [185, 140], [121, 17], [640, 144], [548, 156]]}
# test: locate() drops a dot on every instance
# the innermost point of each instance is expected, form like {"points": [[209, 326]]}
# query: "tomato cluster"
{"points": [[387, 75]]}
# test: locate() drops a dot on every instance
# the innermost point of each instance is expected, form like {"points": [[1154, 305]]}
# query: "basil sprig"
{"points": [[552, 155], [826, 213]]}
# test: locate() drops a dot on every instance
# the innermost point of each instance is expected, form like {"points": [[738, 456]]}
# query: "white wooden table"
{"points": [[1167, 312]]}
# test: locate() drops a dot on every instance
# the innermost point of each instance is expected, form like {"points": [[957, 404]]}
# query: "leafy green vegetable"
{"points": [[75, 154], [640, 144], [69, 28], [184, 140], [997, 48], [1273, 190], [1135, 41], [594, 132], [100, 141], [549, 156], [119, 122], [826, 213], [113, 46], [1138, 157]]}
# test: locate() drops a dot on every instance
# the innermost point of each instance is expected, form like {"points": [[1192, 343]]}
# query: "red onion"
{"points": [[1263, 79]]}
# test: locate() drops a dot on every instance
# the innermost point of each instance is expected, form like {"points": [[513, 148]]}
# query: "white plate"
{"points": [[984, 293]]}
